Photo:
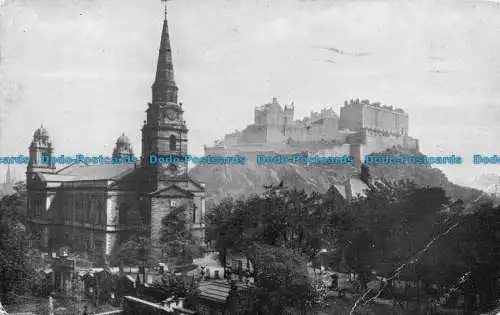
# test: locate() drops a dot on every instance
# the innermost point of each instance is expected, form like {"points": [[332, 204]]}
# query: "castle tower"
{"points": [[289, 110], [40, 153], [123, 147], [164, 133]]}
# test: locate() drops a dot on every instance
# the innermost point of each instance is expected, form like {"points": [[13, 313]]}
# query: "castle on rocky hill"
{"points": [[362, 128]]}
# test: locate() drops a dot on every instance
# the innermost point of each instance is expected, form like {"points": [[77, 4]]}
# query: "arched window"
{"points": [[173, 143]]}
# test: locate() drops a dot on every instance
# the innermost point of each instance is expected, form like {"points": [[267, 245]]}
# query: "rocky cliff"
{"points": [[243, 180]]}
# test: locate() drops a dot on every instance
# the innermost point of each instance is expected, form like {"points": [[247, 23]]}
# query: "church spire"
{"points": [[9, 179], [164, 88]]}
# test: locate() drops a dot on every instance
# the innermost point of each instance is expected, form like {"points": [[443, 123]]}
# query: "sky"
{"points": [[84, 68]]}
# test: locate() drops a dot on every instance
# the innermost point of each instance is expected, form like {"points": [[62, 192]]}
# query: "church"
{"points": [[92, 208]]}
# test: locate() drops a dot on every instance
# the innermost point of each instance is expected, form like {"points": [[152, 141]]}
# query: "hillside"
{"points": [[238, 181], [486, 182]]}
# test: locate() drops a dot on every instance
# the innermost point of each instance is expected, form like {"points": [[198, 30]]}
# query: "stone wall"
{"points": [[351, 117], [221, 151], [254, 134], [275, 134], [339, 150], [161, 207], [362, 115], [385, 119], [411, 143], [377, 143]]}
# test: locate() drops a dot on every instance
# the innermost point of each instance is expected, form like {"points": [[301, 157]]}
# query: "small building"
{"points": [[222, 297], [136, 306], [351, 189]]}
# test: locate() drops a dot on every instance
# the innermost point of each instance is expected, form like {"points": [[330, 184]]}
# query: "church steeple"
{"points": [[165, 131], [164, 87], [9, 178]]}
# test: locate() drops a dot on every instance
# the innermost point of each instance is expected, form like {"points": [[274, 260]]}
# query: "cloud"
{"points": [[342, 52]]}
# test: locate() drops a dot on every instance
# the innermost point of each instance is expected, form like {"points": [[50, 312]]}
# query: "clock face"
{"points": [[173, 170], [171, 114]]}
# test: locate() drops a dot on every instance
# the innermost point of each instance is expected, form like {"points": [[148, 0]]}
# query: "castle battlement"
{"points": [[326, 112], [375, 105]]}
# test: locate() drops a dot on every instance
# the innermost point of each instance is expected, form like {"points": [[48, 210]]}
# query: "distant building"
{"points": [[92, 208], [7, 187], [353, 187], [362, 128]]}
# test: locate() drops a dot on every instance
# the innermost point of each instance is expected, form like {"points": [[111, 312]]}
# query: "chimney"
{"points": [[366, 175], [348, 190]]}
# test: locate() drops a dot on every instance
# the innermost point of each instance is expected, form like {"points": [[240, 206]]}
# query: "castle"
{"points": [[362, 128], [93, 208]]}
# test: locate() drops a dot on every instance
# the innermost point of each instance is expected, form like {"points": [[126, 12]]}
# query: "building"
{"points": [[362, 128], [93, 207], [7, 187]]}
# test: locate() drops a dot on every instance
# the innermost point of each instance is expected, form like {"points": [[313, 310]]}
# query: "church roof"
{"points": [[179, 188], [41, 132], [341, 190], [95, 172], [55, 177]]}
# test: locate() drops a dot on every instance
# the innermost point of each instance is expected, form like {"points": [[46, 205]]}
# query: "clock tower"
{"points": [[164, 134]]}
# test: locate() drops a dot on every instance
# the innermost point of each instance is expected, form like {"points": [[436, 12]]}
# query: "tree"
{"points": [[278, 232], [133, 252], [219, 232], [176, 238], [280, 217], [20, 261], [480, 251], [387, 227], [281, 280]]}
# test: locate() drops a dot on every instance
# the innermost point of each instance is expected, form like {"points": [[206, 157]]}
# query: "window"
{"points": [[100, 214], [173, 143], [173, 203], [194, 213]]}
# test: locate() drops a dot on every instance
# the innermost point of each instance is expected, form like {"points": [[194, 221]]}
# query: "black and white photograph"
{"points": [[240, 157]]}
